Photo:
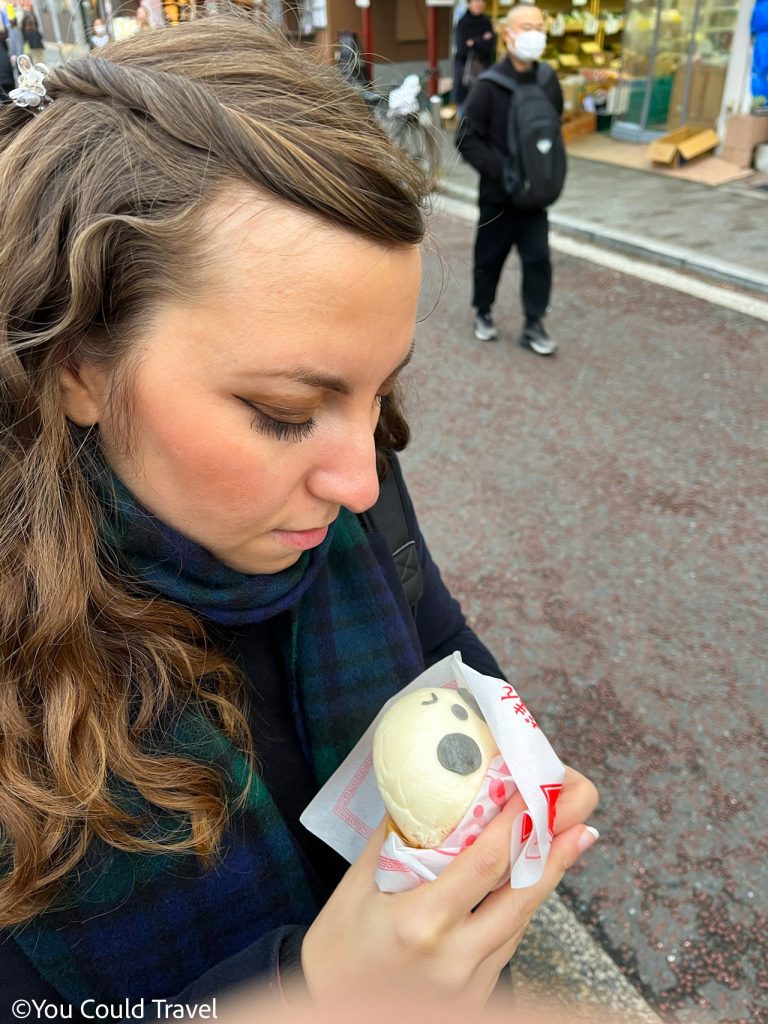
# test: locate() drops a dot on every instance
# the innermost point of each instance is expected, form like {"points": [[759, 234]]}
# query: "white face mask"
{"points": [[100, 30], [528, 46]]}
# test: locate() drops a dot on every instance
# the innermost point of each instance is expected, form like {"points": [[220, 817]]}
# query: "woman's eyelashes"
{"points": [[290, 430], [282, 430]]}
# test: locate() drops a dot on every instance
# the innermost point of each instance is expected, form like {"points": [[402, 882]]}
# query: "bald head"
{"points": [[524, 18], [523, 33]]}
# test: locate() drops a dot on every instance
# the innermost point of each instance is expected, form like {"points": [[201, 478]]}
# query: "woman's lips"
{"points": [[300, 540]]}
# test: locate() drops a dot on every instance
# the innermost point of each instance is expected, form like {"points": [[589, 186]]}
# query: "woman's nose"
{"points": [[346, 474]]}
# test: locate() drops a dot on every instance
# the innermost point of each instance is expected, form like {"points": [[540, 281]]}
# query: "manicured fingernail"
{"points": [[589, 836]]}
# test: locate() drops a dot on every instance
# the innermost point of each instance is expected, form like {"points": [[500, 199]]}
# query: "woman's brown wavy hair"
{"points": [[102, 201]]}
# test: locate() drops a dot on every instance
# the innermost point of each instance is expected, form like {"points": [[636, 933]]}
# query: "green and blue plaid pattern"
{"points": [[135, 925]]}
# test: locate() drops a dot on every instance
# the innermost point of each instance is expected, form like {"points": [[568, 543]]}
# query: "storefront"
{"points": [[643, 67], [646, 67], [674, 64]]}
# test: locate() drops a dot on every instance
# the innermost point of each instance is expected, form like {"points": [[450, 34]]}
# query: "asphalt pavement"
{"points": [[602, 516]]}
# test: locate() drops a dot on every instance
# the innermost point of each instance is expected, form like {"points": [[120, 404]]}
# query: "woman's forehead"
{"points": [[258, 243], [280, 289]]}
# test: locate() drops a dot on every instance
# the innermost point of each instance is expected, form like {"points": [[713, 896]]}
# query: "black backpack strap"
{"points": [[388, 516], [492, 75], [543, 74]]}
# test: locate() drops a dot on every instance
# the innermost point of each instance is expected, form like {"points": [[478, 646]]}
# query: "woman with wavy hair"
{"points": [[209, 268]]}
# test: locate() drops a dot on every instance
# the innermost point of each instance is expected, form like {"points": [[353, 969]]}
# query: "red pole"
{"points": [[367, 41], [432, 49]]}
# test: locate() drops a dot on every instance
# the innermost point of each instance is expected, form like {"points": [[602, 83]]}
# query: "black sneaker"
{"points": [[484, 328], [537, 340]]}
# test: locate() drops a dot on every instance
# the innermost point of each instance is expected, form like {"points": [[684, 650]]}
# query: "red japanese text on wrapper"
{"points": [[509, 693]]}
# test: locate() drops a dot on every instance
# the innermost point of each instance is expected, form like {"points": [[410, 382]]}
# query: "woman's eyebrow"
{"points": [[329, 382], [400, 367]]}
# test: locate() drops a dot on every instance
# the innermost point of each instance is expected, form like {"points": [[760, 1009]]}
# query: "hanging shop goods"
{"points": [[640, 69]]}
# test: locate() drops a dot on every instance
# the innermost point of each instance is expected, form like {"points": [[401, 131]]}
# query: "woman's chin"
{"points": [[258, 563]]}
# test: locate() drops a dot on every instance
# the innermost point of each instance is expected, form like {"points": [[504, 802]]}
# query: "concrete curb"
{"points": [[635, 245], [558, 962]]}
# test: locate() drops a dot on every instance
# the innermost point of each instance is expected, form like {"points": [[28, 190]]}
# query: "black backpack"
{"points": [[534, 174], [388, 516]]}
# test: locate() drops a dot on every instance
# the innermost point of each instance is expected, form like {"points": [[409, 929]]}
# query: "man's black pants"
{"points": [[500, 228]]}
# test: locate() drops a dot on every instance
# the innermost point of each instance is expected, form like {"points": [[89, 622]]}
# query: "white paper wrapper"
{"points": [[349, 806]]}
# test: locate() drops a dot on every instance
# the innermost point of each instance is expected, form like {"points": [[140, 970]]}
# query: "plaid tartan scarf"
{"points": [[131, 925], [183, 571], [348, 632]]}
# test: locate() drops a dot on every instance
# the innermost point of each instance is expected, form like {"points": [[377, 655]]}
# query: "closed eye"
{"points": [[282, 430]]}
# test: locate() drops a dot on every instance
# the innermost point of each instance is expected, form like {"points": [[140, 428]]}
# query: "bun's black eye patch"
{"points": [[433, 701], [460, 712], [459, 753]]}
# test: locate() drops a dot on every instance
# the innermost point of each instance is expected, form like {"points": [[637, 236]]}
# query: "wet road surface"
{"points": [[602, 516]]}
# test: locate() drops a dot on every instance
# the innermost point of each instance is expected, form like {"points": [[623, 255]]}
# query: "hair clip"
{"points": [[31, 91]]}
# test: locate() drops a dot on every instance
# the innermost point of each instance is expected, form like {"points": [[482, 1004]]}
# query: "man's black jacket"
{"points": [[482, 134]]}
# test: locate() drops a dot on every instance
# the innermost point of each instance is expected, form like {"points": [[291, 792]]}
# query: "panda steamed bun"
{"points": [[431, 751]]}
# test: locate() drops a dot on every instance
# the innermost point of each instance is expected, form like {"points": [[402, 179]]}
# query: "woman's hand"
{"points": [[451, 937]]}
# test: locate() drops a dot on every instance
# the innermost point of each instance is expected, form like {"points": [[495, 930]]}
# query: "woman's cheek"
{"points": [[231, 466]]}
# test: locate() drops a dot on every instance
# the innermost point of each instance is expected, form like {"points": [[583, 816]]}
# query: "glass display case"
{"points": [[673, 67]]}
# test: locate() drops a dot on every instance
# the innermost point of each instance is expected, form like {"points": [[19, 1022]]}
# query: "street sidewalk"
{"points": [[715, 232]]}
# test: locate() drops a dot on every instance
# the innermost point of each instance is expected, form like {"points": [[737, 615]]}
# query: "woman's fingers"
{"points": [[364, 867], [429, 937], [475, 871], [500, 921], [577, 801], [480, 868], [375, 843]]}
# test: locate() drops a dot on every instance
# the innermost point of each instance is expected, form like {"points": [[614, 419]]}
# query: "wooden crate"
{"points": [[577, 125]]}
